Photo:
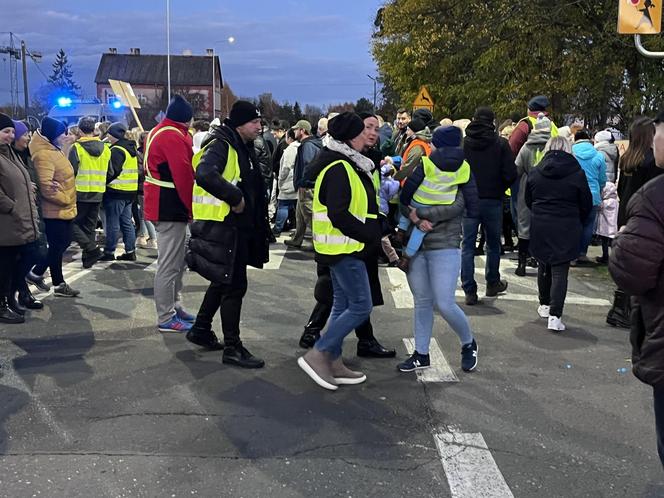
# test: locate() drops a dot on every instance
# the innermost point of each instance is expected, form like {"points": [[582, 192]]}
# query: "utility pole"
{"points": [[25, 78], [374, 91]]}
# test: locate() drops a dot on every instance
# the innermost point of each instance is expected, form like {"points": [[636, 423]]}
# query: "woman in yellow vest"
{"points": [[346, 232]]}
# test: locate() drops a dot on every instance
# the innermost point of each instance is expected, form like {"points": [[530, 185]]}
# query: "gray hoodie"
{"points": [[611, 156], [525, 163]]}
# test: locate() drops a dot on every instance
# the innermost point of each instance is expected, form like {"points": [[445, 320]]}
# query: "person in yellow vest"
{"points": [[90, 159], [230, 229], [346, 234], [121, 190]]}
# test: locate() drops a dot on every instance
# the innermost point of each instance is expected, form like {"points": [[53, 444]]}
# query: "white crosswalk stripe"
{"points": [[440, 370]]}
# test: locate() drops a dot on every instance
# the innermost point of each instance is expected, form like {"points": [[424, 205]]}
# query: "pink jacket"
{"points": [[607, 222]]}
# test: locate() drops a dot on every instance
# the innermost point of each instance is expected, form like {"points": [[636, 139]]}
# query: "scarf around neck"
{"points": [[361, 161]]}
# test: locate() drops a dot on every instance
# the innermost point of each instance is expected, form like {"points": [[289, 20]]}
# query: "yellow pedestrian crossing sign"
{"points": [[423, 99], [640, 17]]}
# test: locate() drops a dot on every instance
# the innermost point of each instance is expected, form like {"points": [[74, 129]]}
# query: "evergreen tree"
{"points": [[62, 78], [297, 112], [364, 105]]}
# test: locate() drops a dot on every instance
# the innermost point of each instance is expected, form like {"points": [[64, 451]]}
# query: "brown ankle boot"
{"points": [[318, 366], [344, 375]]}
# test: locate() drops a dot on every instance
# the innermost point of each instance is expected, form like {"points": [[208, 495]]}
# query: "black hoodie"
{"points": [[94, 147], [559, 198], [490, 159], [115, 168]]}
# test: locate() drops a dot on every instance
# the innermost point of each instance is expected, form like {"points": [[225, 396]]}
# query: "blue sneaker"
{"points": [[184, 316], [469, 356], [175, 324], [416, 361]]}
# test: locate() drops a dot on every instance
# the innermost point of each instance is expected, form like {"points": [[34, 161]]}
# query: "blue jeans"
{"points": [[351, 306], [284, 207], [432, 278], [491, 218], [416, 236], [588, 230], [118, 218]]}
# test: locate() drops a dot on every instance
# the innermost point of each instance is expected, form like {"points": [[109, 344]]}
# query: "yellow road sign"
{"points": [[423, 99], [640, 17]]}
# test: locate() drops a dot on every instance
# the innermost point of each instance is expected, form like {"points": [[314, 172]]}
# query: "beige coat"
{"points": [[57, 182]]}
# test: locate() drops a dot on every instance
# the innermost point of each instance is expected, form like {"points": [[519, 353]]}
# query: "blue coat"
{"points": [[594, 166]]}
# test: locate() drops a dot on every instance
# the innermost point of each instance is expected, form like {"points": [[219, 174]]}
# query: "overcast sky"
{"points": [[313, 52]]}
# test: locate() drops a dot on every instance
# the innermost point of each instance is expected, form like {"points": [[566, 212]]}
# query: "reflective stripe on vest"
{"points": [[328, 239], [533, 122], [128, 179], [91, 174], [206, 206], [440, 187], [148, 142]]}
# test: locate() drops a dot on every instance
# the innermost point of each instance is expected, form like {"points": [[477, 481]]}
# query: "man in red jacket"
{"points": [[169, 182]]}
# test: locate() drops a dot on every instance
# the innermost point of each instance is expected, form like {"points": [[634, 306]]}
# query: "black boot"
{"points": [[309, 337], [371, 348], [204, 337], [521, 268], [28, 300], [8, 315], [16, 306], [620, 313], [240, 356]]}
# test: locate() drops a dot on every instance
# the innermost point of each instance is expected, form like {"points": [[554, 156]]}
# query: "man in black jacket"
{"points": [[492, 164], [637, 266], [221, 249]]}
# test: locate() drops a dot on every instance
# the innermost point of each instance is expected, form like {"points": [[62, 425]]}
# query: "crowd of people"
{"points": [[417, 196]]}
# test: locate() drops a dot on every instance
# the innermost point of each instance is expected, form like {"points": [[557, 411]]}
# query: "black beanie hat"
{"points": [[447, 136], [539, 103], [179, 110], [417, 125], [6, 122], [242, 112], [345, 126], [117, 130], [365, 115], [484, 114]]}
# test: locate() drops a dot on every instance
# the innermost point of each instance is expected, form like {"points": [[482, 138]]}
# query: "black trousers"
{"points": [[552, 286], [28, 256], [85, 223], [323, 293], [227, 299], [8, 257], [58, 235], [658, 395]]}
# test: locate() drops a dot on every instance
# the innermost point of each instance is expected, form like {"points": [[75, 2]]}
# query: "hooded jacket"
{"points": [[558, 197], [411, 158], [525, 162], [521, 132], [57, 182], [115, 168], [593, 165], [18, 210], [637, 266], [611, 157], [308, 150], [490, 159], [94, 147], [607, 221], [217, 249], [448, 235]]}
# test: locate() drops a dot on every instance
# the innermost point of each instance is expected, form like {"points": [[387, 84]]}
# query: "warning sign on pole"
{"points": [[423, 100], [639, 17]]}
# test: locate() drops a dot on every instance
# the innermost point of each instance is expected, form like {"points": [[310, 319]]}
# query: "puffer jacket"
{"points": [[637, 266], [593, 165], [18, 210], [611, 156], [607, 221], [57, 182]]}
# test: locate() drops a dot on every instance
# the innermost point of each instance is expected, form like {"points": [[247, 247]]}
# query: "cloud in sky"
{"points": [[313, 52]]}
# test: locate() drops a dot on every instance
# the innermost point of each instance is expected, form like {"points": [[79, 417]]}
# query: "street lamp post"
{"points": [[168, 47], [230, 40]]}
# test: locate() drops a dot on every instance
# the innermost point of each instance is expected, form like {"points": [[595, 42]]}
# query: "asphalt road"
{"points": [[95, 402]]}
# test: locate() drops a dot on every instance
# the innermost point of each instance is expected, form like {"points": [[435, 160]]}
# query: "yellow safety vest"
{"points": [[148, 142], [533, 122], [206, 206], [128, 179], [91, 174], [328, 239], [440, 187]]}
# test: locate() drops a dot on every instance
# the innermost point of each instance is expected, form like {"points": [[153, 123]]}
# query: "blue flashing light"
{"points": [[64, 101], [116, 104]]}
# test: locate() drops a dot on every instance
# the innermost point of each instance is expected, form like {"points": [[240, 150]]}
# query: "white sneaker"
{"points": [[556, 324], [543, 311], [152, 244], [142, 241]]}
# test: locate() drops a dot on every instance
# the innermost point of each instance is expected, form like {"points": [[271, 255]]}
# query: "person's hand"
{"points": [[412, 214], [425, 226], [239, 207]]}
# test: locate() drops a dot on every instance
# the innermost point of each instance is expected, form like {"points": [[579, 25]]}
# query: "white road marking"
{"points": [[399, 289], [469, 466], [8, 352], [440, 370], [276, 258], [152, 266]]}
